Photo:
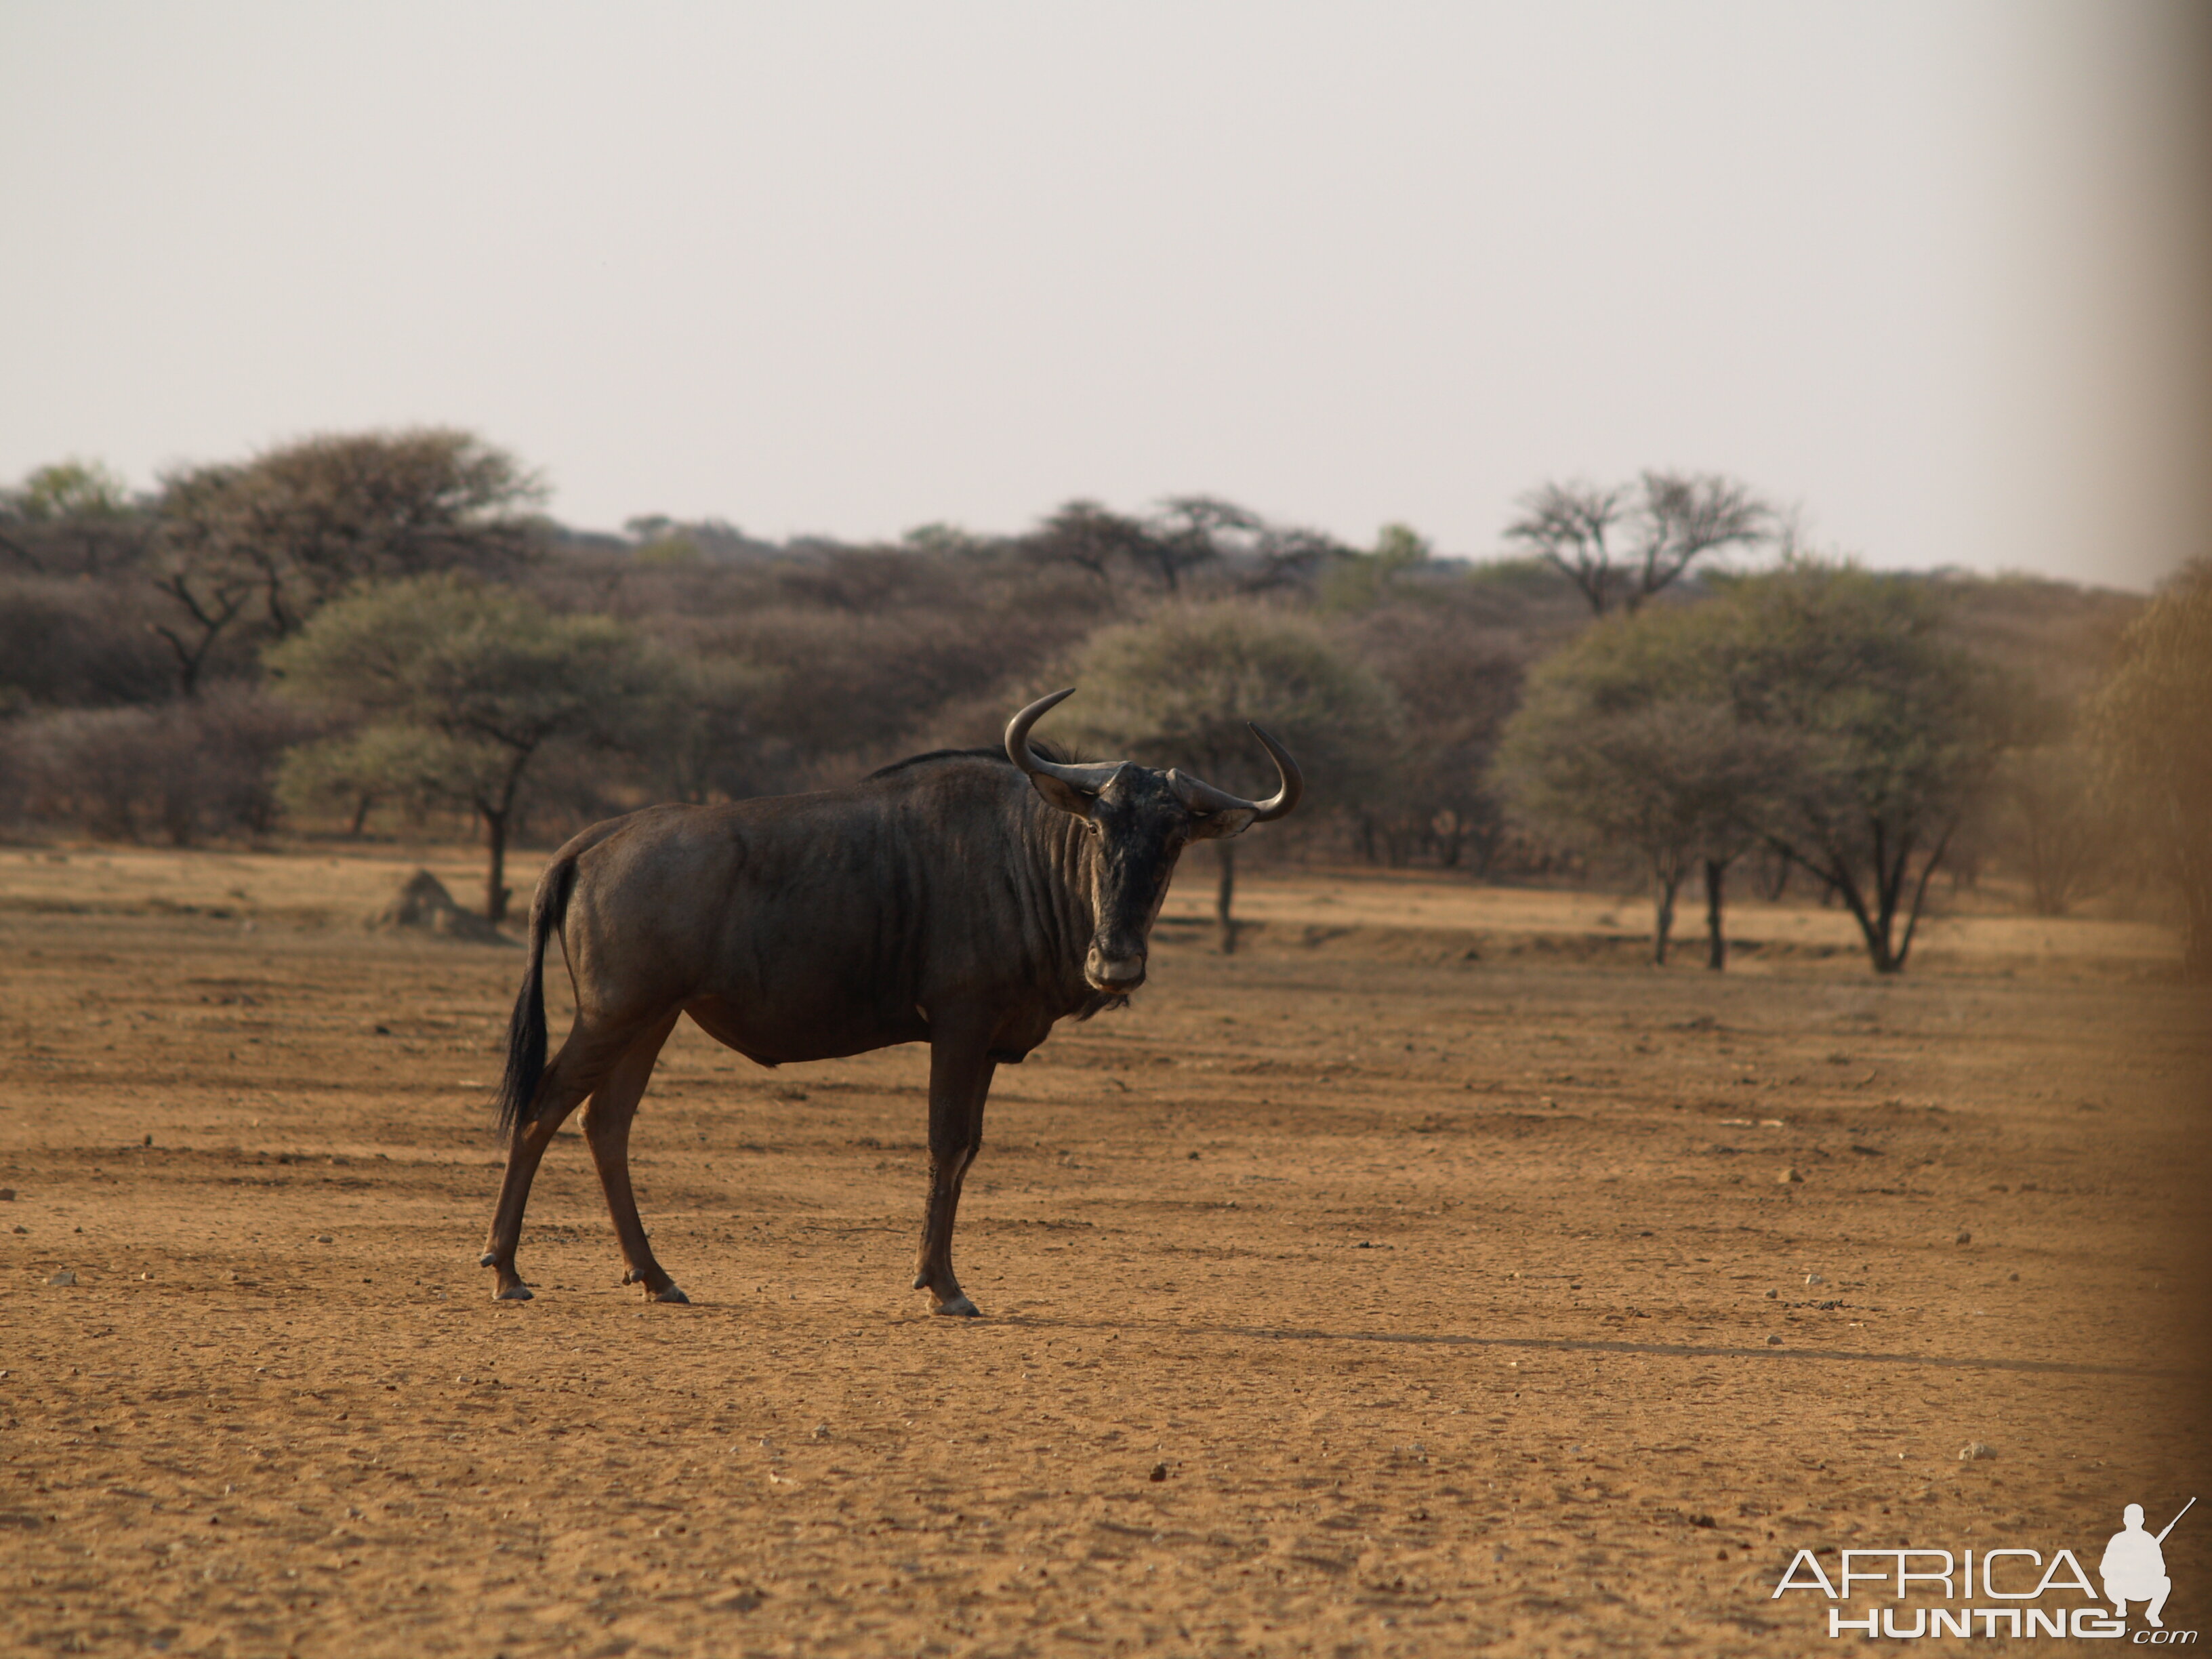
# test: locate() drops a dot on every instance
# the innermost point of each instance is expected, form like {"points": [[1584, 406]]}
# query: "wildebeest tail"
{"points": [[525, 1027]]}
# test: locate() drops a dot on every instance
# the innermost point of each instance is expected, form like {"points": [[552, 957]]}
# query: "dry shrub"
{"points": [[182, 772], [843, 692], [77, 644]]}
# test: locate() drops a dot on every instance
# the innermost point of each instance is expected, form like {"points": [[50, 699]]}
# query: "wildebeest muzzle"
{"points": [[1120, 971]]}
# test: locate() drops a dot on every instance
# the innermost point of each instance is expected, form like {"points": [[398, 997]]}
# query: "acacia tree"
{"points": [[1187, 532], [268, 541], [1622, 543], [1887, 731], [1628, 739], [1085, 535], [2150, 723], [458, 686], [1190, 530], [73, 518], [1176, 689], [200, 569]]}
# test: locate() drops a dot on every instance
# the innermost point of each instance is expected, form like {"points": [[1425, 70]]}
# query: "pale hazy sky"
{"points": [[1927, 270]]}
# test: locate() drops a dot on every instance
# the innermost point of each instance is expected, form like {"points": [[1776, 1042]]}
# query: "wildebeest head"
{"points": [[1141, 820]]}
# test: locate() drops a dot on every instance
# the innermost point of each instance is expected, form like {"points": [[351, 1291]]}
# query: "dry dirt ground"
{"points": [[1424, 1279]]}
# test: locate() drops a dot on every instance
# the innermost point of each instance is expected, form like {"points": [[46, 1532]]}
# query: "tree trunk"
{"points": [[1224, 893], [501, 821], [360, 814], [1663, 921], [1876, 909], [2196, 934], [495, 890], [1450, 831], [1780, 883], [209, 616], [177, 814], [1487, 846], [1716, 940], [1919, 894]]}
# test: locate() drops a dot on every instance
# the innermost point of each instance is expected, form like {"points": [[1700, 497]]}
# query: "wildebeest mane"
{"points": [[1051, 752]]}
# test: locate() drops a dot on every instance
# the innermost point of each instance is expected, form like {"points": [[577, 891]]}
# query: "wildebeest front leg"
{"points": [[607, 1129], [959, 1078]]}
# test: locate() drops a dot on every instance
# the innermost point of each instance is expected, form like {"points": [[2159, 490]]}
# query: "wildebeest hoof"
{"points": [[513, 1293], [671, 1294], [960, 1308], [488, 1259]]}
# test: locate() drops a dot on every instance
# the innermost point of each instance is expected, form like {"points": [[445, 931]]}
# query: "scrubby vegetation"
{"points": [[378, 634]]}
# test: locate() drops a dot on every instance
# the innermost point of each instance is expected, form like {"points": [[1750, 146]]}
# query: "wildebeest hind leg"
{"points": [[959, 1079], [607, 1129], [576, 1071]]}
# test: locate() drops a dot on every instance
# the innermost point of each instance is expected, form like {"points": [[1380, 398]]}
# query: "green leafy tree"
{"points": [[458, 687], [352, 773], [1176, 689], [70, 490], [940, 540], [1360, 581], [2152, 725], [73, 518], [1890, 730], [1628, 739]]}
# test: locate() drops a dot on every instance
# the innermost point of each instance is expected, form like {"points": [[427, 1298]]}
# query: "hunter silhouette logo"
{"points": [[2014, 1587], [2134, 1567]]}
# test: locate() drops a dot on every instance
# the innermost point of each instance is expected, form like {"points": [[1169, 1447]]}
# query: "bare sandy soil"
{"points": [[1427, 1277]]}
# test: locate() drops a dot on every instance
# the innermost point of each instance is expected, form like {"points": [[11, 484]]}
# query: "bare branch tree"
{"points": [[1290, 556], [1189, 532], [1567, 524], [1624, 544], [1684, 516], [211, 613]]}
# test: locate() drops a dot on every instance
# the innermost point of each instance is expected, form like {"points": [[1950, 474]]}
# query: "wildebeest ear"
{"points": [[1066, 796], [1218, 826]]}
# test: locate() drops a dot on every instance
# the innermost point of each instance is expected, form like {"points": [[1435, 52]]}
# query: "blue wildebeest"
{"points": [[951, 899]]}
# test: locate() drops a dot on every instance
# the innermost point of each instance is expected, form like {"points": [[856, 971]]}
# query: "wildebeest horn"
{"points": [[1091, 778], [1197, 793]]}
